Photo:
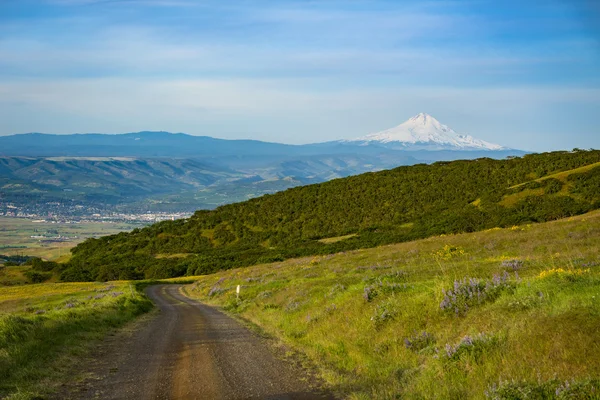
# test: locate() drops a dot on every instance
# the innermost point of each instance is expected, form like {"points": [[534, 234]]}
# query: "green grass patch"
{"points": [[46, 328], [512, 199], [13, 275]]}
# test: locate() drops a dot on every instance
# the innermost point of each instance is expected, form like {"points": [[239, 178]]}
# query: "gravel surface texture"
{"points": [[189, 350]]}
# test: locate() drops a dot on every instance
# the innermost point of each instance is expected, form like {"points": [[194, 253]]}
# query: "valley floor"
{"points": [[51, 241]]}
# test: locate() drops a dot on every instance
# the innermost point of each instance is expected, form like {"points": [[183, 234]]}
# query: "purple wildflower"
{"points": [[515, 265]]}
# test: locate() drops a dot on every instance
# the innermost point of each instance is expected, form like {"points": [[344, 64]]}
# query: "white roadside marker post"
{"points": [[237, 292]]}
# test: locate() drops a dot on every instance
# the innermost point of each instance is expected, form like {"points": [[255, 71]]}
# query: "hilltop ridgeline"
{"points": [[362, 211]]}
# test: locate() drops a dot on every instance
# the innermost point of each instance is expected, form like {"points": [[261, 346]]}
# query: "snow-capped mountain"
{"points": [[423, 132]]}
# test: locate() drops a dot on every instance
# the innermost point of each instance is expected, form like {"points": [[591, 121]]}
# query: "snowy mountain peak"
{"points": [[422, 118], [425, 132]]}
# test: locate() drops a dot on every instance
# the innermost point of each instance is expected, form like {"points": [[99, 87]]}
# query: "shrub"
{"points": [[293, 306], [448, 252], [470, 292], [525, 302], [470, 345], [41, 265], [215, 291], [515, 265], [553, 186], [551, 389], [385, 284], [419, 341], [515, 390], [11, 264], [587, 389], [37, 277], [369, 293], [235, 305], [383, 313]]}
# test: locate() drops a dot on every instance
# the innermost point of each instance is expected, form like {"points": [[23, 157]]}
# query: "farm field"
{"points": [[16, 236], [502, 314]]}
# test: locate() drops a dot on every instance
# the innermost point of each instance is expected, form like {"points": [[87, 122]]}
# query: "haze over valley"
{"points": [[166, 175]]}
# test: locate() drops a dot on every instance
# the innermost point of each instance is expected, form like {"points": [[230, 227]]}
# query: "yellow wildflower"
{"points": [[564, 272]]}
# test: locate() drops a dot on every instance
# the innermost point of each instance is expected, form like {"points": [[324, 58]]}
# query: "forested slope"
{"points": [[397, 205]]}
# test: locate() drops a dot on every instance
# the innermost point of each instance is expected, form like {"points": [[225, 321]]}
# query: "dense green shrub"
{"points": [[37, 277], [41, 265]]}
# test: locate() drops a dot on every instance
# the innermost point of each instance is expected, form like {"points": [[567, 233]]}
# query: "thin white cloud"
{"points": [[126, 51], [316, 38], [283, 110]]}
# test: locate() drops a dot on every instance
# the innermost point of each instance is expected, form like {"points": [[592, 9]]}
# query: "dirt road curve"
{"points": [[193, 351]]}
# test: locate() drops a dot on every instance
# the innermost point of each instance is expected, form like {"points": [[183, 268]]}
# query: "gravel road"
{"points": [[191, 351]]}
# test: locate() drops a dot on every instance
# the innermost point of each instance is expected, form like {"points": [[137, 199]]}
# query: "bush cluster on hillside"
{"points": [[398, 205]]}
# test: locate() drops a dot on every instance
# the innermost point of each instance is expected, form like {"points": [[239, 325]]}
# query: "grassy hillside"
{"points": [[502, 314], [140, 184], [368, 210], [44, 328], [13, 275], [102, 181]]}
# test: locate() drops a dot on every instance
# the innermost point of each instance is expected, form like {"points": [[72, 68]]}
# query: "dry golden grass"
{"points": [[561, 176], [337, 239]]}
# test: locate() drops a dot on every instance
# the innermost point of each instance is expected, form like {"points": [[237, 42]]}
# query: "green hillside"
{"points": [[362, 211], [503, 314], [102, 181]]}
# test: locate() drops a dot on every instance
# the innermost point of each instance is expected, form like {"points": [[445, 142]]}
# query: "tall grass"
{"points": [[452, 317], [45, 327]]}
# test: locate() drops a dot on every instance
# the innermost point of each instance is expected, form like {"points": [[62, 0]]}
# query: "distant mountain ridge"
{"points": [[192, 172], [421, 132], [137, 144]]}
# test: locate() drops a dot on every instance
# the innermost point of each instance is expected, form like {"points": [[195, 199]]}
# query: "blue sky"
{"points": [[525, 74]]}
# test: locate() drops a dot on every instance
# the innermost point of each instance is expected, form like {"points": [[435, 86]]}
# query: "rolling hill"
{"points": [[182, 184], [361, 211]]}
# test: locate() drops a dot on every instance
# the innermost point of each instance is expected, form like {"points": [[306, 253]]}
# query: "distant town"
{"points": [[56, 212]]}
